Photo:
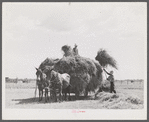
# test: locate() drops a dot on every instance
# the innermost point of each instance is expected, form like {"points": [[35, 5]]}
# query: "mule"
{"points": [[42, 84], [60, 83]]}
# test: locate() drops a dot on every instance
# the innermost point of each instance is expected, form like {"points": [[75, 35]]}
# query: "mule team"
{"points": [[56, 83]]}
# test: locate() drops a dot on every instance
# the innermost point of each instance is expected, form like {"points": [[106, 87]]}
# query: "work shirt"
{"points": [[111, 78]]}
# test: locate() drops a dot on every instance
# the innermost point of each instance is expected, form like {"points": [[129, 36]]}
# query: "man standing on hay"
{"points": [[75, 50]]}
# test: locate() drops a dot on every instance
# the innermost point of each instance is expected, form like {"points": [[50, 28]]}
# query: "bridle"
{"points": [[42, 77]]}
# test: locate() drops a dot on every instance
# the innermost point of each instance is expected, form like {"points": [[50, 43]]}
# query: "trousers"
{"points": [[112, 88]]}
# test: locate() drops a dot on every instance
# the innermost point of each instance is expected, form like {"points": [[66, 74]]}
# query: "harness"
{"points": [[55, 83], [55, 79], [43, 83]]}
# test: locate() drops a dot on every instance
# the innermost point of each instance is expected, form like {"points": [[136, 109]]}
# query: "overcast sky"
{"points": [[31, 32]]}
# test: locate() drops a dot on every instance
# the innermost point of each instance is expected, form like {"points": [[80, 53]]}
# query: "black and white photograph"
{"points": [[74, 60]]}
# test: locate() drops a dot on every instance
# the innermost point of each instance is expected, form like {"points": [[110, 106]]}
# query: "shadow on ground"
{"points": [[36, 100]]}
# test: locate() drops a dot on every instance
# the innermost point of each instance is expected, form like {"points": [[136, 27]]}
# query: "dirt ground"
{"points": [[129, 96]]}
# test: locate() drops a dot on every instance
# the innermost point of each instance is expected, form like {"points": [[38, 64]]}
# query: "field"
{"points": [[129, 96]]}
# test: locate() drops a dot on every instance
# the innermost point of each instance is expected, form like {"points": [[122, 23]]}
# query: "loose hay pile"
{"points": [[85, 73], [119, 101]]}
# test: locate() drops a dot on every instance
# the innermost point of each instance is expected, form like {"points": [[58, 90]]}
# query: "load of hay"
{"points": [[85, 73], [81, 69]]}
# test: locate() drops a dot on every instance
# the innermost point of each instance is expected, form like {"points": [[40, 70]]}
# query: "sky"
{"points": [[31, 32]]}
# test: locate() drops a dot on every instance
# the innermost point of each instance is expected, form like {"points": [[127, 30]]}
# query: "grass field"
{"points": [[129, 96]]}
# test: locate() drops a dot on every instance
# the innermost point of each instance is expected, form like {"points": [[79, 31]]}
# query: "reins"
{"points": [[54, 78]]}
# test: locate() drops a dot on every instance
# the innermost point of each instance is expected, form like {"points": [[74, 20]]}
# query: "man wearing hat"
{"points": [[111, 79]]}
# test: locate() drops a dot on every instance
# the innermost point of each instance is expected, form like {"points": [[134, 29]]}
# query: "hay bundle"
{"points": [[105, 59], [67, 50]]}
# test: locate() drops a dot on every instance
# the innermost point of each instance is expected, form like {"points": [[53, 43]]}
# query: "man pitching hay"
{"points": [[106, 60], [111, 80]]}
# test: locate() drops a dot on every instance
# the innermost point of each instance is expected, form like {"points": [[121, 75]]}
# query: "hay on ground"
{"points": [[119, 101]]}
